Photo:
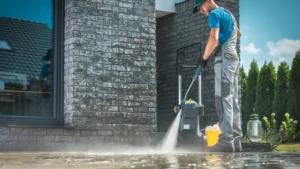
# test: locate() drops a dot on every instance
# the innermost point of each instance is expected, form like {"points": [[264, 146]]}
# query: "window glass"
{"points": [[26, 58], [4, 45]]}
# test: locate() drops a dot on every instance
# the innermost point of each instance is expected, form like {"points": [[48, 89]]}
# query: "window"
{"points": [[31, 62], [4, 45]]}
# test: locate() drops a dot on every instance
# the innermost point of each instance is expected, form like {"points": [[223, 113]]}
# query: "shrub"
{"points": [[287, 129]]}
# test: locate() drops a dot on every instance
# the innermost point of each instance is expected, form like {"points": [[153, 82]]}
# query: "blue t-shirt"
{"points": [[219, 18], [44, 70]]}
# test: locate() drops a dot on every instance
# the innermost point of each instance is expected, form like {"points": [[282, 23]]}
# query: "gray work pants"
{"points": [[226, 96], [226, 89]]}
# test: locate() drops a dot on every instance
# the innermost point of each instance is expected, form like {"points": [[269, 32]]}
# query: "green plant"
{"points": [[270, 133], [281, 92], [243, 77], [250, 98], [287, 129], [293, 104], [270, 126], [265, 90]]}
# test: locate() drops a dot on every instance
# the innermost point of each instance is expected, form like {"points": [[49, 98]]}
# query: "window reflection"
{"points": [[26, 58], [4, 45]]}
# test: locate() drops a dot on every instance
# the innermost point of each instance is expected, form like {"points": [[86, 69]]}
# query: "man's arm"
{"points": [[43, 75], [212, 43]]}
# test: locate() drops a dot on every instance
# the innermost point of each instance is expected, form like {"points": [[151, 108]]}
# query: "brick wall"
{"points": [[70, 139], [174, 32], [110, 65]]}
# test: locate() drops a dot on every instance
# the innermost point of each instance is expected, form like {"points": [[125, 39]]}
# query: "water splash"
{"points": [[170, 140]]}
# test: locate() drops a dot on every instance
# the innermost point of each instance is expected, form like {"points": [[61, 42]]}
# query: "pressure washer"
{"points": [[189, 127], [192, 112]]}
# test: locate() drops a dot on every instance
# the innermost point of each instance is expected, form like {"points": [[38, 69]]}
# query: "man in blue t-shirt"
{"points": [[45, 106], [46, 72], [222, 42]]}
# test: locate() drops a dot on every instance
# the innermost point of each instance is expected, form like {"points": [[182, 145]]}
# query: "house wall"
{"points": [[176, 31], [110, 65], [21, 138], [109, 79]]}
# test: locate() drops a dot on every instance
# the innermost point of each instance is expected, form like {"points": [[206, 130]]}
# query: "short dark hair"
{"points": [[48, 56]]}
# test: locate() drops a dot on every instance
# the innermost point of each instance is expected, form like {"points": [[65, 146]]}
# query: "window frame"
{"points": [[58, 93]]}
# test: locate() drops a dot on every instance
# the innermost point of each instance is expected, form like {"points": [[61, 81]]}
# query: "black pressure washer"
{"points": [[189, 127], [189, 132]]}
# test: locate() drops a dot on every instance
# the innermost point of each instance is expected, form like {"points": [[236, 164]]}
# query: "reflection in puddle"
{"points": [[150, 161], [173, 161]]}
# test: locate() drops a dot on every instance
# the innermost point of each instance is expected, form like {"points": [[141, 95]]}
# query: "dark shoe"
{"points": [[219, 147], [238, 145]]}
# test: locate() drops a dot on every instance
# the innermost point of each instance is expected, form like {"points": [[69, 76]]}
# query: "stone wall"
{"points": [[184, 35], [110, 65], [70, 139]]}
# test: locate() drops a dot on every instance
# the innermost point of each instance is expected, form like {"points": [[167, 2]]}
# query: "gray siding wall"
{"points": [[174, 32]]}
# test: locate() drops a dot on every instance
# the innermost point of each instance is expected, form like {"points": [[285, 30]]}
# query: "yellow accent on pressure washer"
{"points": [[212, 135]]}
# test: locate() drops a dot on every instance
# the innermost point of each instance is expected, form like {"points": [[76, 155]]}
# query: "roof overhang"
{"points": [[165, 7]]}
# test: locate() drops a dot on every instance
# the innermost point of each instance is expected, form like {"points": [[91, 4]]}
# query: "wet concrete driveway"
{"points": [[274, 160]]}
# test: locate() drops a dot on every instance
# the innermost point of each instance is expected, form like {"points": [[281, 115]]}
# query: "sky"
{"points": [[33, 10], [270, 31]]}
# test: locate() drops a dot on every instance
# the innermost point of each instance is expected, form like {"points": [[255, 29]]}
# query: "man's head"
{"points": [[204, 6], [49, 55]]}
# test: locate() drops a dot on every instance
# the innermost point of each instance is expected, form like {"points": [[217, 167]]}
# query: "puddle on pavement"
{"points": [[149, 161]]}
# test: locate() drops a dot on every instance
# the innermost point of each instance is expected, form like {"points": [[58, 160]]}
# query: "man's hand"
{"points": [[202, 62]]}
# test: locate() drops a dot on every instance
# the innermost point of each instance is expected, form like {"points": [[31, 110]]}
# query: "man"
{"points": [[46, 87], [46, 71], [222, 41]]}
